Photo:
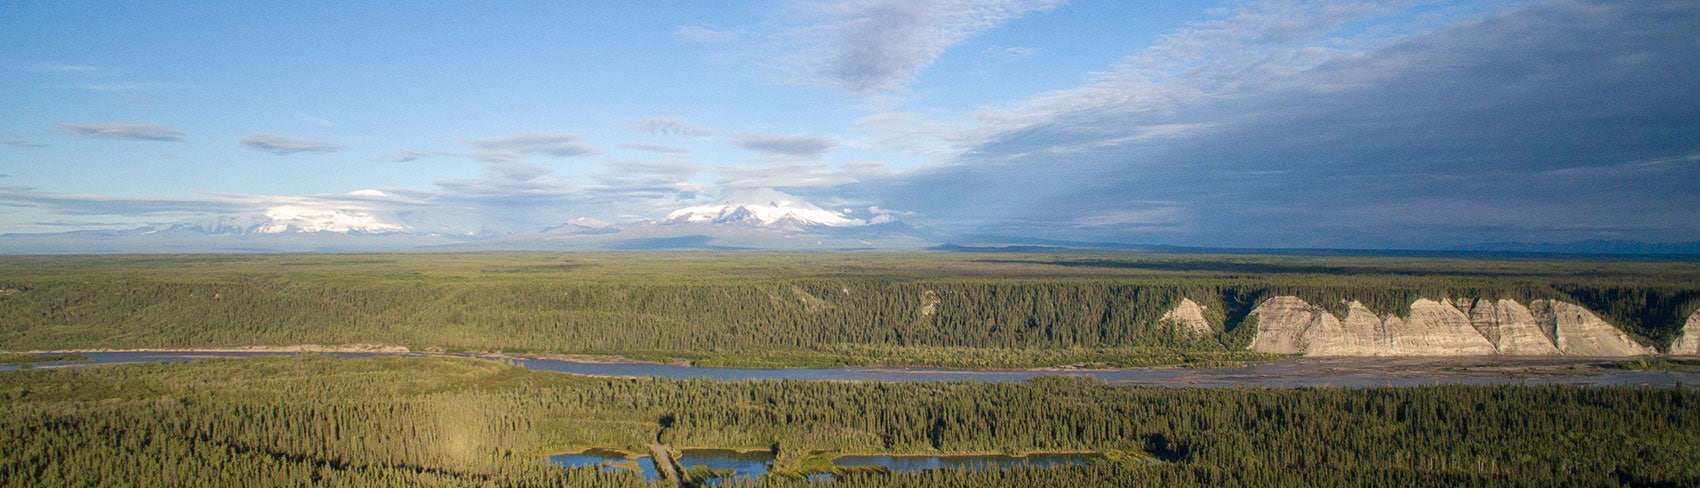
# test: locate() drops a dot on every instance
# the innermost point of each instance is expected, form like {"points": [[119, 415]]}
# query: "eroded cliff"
{"points": [[1454, 327], [1188, 316], [1688, 343]]}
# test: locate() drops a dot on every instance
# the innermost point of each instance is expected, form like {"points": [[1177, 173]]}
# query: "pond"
{"points": [[609, 460], [908, 464], [750, 466], [743, 464]]}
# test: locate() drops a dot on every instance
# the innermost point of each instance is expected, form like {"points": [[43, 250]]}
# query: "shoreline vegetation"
{"points": [[1287, 373], [29, 358], [1206, 360], [445, 421]]}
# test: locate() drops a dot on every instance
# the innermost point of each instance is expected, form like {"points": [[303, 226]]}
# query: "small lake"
{"points": [[909, 464], [609, 460], [1291, 373], [748, 465]]}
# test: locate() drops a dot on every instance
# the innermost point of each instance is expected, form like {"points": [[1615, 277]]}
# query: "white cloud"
{"points": [[672, 126], [785, 176], [785, 146], [703, 34], [406, 156], [1251, 47], [283, 146], [807, 147], [1350, 124], [21, 143], [558, 145], [312, 215], [656, 148], [1159, 216], [916, 133], [871, 46], [125, 130], [636, 176], [518, 171]]}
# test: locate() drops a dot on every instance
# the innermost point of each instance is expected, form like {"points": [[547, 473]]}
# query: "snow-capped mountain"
{"points": [[762, 208], [582, 225], [285, 219], [756, 219], [760, 219], [310, 218]]}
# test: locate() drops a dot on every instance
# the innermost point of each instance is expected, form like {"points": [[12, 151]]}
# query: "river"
{"points": [[1291, 373]]}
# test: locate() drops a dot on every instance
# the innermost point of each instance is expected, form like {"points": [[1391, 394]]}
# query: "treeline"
{"points": [[436, 421], [788, 309]]}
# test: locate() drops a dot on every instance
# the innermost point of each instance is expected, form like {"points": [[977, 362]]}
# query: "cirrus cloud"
{"points": [[21, 143], [870, 46], [558, 145], [284, 146], [703, 34], [126, 131], [810, 147], [672, 126]]}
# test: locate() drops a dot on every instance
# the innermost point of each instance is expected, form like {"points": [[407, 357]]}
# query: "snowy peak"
{"points": [[304, 217], [582, 225], [309, 218], [761, 208]]}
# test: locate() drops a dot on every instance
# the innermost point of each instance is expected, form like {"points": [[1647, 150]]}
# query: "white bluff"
{"points": [[1688, 344], [1187, 316], [1461, 327]]}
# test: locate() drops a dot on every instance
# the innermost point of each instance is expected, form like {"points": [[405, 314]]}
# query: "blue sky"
{"points": [[1412, 124]]}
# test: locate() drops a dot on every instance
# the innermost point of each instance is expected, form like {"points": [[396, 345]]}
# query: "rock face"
{"points": [[1434, 328], [1688, 344], [1463, 327], [1578, 332], [1510, 327], [1283, 322], [1188, 316]]}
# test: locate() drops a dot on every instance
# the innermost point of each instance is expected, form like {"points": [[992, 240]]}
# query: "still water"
{"points": [[746, 464], [1293, 373], [989, 461], [609, 461]]}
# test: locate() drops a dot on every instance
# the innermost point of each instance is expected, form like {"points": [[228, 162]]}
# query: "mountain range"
{"points": [[759, 219], [763, 219]]}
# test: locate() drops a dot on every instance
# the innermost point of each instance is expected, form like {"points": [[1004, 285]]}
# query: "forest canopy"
{"points": [[943, 309]]}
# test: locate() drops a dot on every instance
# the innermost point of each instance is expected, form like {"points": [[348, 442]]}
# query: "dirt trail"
{"points": [[664, 463]]}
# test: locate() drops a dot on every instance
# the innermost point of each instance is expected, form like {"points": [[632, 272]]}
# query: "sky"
{"points": [[1355, 124]]}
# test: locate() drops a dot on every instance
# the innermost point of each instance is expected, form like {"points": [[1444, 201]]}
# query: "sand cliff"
{"points": [[1688, 344], [1454, 327], [1188, 316]]}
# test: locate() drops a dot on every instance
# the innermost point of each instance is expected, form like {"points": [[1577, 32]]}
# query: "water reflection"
{"points": [[609, 460], [1294, 373], [746, 464], [908, 464]]}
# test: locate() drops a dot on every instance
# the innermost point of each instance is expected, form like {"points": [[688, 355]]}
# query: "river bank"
{"points": [[1289, 373]]}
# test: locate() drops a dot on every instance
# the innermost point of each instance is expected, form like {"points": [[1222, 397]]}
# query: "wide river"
{"points": [[1292, 373]]}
